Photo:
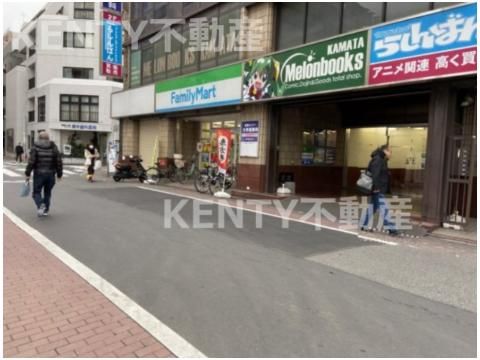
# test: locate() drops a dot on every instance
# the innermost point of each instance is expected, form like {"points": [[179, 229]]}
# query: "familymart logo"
{"points": [[193, 95], [340, 57]]}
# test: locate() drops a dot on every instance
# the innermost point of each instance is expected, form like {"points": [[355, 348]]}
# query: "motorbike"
{"points": [[130, 167]]}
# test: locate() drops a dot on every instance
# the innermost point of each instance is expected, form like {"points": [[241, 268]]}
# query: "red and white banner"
{"points": [[224, 140]]}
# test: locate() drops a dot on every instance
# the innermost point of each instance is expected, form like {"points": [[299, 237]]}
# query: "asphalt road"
{"points": [[245, 292]]}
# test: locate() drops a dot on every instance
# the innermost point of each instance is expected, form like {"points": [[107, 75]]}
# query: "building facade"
{"points": [[309, 92], [58, 86]]}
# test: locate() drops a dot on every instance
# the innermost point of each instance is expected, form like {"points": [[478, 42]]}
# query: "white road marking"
{"points": [[363, 237], [174, 342], [68, 172], [13, 181], [10, 173]]}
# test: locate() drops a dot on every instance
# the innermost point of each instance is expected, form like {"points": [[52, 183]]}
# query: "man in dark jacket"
{"points": [[45, 161], [19, 153], [378, 169]]}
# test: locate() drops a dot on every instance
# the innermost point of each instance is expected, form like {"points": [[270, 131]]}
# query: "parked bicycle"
{"points": [[163, 170], [211, 180], [184, 171]]}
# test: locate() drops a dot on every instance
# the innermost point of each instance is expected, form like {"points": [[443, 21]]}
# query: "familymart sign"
{"points": [[216, 87]]}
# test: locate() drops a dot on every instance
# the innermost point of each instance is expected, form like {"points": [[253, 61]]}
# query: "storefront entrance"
{"points": [[202, 129], [407, 164], [322, 147]]}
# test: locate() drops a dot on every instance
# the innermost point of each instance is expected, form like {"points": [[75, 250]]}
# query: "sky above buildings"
{"points": [[18, 12]]}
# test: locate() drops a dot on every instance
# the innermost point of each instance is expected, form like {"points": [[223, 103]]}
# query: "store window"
{"points": [[79, 108], [397, 10], [357, 15], [84, 10], [41, 108], [319, 146], [323, 20]]}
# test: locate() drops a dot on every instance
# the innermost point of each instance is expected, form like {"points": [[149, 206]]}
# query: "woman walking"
{"points": [[91, 155]]}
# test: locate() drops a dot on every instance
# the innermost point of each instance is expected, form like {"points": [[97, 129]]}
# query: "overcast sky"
{"points": [[15, 13]]}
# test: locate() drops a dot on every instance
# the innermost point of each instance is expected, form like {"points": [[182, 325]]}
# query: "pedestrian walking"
{"points": [[45, 161], [378, 168], [19, 153], [91, 155]]}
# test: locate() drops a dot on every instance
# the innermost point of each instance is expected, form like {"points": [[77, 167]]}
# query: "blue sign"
{"points": [[114, 6], [449, 29], [249, 131], [112, 42]]}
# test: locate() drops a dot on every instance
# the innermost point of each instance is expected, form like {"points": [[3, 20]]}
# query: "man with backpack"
{"points": [[46, 162]]}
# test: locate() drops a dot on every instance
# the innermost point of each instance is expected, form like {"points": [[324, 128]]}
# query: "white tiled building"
{"points": [[58, 87]]}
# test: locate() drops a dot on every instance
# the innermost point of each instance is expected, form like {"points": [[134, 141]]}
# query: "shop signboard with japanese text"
{"points": [[440, 44], [216, 87], [111, 44], [249, 138], [334, 64], [224, 142]]}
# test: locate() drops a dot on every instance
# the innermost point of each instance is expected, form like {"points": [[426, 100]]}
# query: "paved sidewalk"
{"points": [[50, 311]]}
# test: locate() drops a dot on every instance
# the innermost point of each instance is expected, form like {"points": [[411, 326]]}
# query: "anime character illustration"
{"points": [[261, 79]]}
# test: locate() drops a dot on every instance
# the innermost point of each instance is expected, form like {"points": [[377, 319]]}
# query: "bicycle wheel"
{"points": [[153, 177], [201, 182], [215, 184]]}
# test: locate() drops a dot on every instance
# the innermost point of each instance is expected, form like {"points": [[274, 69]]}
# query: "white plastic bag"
{"points": [[98, 164]]}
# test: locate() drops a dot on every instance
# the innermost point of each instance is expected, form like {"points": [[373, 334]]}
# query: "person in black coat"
{"points": [[378, 168], [19, 153], [45, 161]]}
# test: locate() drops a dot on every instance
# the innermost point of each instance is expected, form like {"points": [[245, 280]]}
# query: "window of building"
{"points": [[77, 73], [160, 10], [323, 20], [41, 108], [31, 116], [31, 83], [78, 40], [439, 5], [84, 10], [357, 15], [79, 108], [397, 10], [147, 65], [299, 23], [291, 24], [319, 146], [135, 68]]}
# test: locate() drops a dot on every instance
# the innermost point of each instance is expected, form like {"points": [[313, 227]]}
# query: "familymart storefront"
{"points": [[182, 116], [404, 84]]}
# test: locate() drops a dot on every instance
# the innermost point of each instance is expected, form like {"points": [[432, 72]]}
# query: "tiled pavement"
{"points": [[50, 311]]}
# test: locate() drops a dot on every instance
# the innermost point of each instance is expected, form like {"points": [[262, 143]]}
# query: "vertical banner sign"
{"points": [[113, 6], [224, 138], [249, 139], [440, 44], [111, 44]]}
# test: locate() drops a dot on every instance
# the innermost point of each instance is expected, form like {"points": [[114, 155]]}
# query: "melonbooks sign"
{"points": [[333, 64], [438, 44], [216, 87]]}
